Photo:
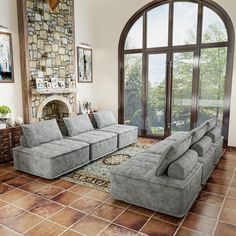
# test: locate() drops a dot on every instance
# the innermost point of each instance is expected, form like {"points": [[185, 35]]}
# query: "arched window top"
{"points": [[199, 22], [213, 27], [175, 66]]}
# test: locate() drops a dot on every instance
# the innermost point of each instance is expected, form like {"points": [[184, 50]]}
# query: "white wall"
{"points": [[110, 18], [85, 33], [10, 94]]}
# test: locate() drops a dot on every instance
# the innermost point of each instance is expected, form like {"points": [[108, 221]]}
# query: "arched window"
{"points": [[175, 67]]}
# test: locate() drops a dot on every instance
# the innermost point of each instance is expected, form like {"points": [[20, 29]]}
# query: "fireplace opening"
{"points": [[56, 110]]}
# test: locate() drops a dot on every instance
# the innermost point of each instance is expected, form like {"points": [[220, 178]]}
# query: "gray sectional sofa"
{"points": [[168, 176], [46, 153]]}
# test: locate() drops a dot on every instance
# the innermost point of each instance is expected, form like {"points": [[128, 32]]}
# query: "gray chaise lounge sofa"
{"points": [[168, 176], [45, 153]]}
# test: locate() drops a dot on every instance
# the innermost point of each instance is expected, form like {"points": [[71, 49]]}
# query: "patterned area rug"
{"points": [[97, 173]]}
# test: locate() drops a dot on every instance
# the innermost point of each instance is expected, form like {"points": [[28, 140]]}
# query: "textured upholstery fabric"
{"points": [[23, 142], [202, 146], [78, 124], [198, 133], [218, 145], [53, 159], [181, 168], [127, 134], [135, 182], [211, 124], [208, 164], [170, 149], [42, 132], [104, 118], [101, 143], [214, 134]]}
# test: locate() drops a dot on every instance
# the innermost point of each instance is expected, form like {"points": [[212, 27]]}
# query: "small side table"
{"points": [[9, 138]]}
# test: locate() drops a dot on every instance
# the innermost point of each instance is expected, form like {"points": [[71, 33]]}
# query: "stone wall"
{"points": [[51, 46]]}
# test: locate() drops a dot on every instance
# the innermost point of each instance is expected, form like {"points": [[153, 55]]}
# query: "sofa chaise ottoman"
{"points": [[44, 152], [165, 178], [101, 143], [106, 122]]}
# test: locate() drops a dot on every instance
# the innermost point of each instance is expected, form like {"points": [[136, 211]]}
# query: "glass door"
{"points": [[156, 95], [182, 83]]}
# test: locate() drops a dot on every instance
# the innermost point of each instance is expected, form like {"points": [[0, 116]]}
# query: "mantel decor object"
{"points": [[53, 4]]}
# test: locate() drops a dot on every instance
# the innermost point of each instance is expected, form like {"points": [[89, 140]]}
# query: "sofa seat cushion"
{"points": [[54, 149], [127, 134], [198, 133], [104, 118], [180, 168], [101, 143], [214, 134], [51, 160], [42, 132], [148, 157], [202, 146], [78, 124]]}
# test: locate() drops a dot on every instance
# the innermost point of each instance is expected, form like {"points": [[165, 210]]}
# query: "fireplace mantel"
{"points": [[53, 91]]}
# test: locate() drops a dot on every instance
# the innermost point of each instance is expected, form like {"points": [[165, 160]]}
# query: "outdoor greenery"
{"points": [[211, 87]]}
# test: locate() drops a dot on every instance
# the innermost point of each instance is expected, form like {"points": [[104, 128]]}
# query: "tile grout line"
{"points": [[217, 220]]}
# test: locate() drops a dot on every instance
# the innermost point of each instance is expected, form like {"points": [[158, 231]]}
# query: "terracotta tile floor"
{"points": [[34, 206]]}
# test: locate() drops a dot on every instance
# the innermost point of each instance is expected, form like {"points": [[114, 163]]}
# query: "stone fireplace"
{"points": [[50, 53]]}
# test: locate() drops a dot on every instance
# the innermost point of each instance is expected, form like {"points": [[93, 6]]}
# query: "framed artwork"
{"points": [[40, 84], [54, 82], [85, 65], [6, 58]]}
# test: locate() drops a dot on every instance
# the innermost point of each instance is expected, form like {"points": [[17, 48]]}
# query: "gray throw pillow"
{"points": [[215, 134], [42, 132], [183, 166], [104, 118], [78, 124], [202, 146], [174, 147]]}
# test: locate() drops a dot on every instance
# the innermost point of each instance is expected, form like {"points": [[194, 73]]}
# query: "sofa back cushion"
{"points": [[202, 146], [199, 132], [183, 166], [211, 124], [214, 134], [42, 132], [104, 118], [78, 124], [171, 149]]}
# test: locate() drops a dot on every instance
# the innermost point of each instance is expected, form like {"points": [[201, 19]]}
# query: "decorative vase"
{"points": [[3, 125], [5, 116], [11, 122], [19, 120]]}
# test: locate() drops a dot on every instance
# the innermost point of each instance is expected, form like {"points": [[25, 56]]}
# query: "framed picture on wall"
{"points": [[85, 65], [6, 58]]}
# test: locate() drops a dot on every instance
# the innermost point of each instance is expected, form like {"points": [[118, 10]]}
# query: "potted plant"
{"points": [[4, 111]]}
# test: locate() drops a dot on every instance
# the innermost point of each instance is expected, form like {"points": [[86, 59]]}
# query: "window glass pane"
{"points": [[157, 26], [183, 64], [134, 38], [156, 94], [213, 28], [133, 89], [212, 84], [185, 23]]}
